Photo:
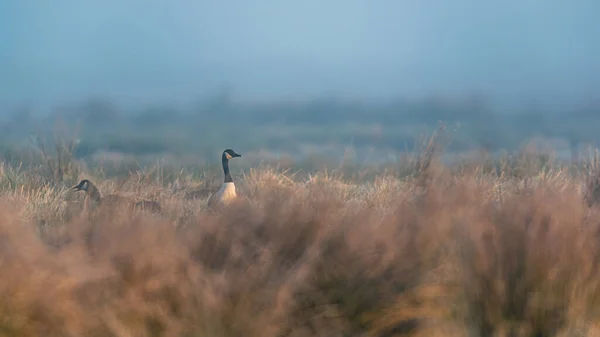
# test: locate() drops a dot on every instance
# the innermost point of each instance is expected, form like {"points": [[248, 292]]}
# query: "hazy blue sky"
{"points": [[61, 50]]}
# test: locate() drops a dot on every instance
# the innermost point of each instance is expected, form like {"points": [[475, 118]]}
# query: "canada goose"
{"points": [[94, 199], [227, 191]]}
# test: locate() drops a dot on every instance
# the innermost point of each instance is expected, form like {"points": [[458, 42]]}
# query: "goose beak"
{"points": [[74, 188]]}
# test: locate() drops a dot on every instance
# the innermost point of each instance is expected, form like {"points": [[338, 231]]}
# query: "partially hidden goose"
{"points": [[94, 199], [227, 191]]}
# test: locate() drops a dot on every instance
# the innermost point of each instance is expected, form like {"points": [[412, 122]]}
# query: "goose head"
{"points": [[83, 185], [89, 189], [91, 192], [229, 154]]}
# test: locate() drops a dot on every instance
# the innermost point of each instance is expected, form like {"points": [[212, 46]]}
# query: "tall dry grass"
{"points": [[445, 252]]}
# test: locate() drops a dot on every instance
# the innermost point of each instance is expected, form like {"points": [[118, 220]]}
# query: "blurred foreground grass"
{"points": [[483, 247]]}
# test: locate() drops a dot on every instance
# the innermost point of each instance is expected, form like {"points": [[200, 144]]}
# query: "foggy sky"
{"points": [[151, 50]]}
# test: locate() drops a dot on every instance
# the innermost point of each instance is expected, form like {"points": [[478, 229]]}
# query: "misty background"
{"points": [[193, 77]]}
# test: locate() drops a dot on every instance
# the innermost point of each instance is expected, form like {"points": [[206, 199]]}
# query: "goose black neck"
{"points": [[225, 163], [93, 192]]}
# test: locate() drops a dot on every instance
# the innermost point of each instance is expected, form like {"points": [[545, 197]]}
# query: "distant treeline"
{"points": [[288, 125]]}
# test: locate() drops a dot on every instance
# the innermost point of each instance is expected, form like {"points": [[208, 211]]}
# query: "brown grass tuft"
{"points": [[441, 253]]}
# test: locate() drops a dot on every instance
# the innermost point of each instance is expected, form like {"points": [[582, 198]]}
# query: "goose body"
{"points": [[223, 195], [148, 205], [227, 192], [93, 199]]}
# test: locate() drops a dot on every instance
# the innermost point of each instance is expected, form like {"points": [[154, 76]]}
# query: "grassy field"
{"points": [[483, 247]]}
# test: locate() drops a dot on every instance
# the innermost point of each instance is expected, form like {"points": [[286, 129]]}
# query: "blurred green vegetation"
{"points": [[291, 127]]}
